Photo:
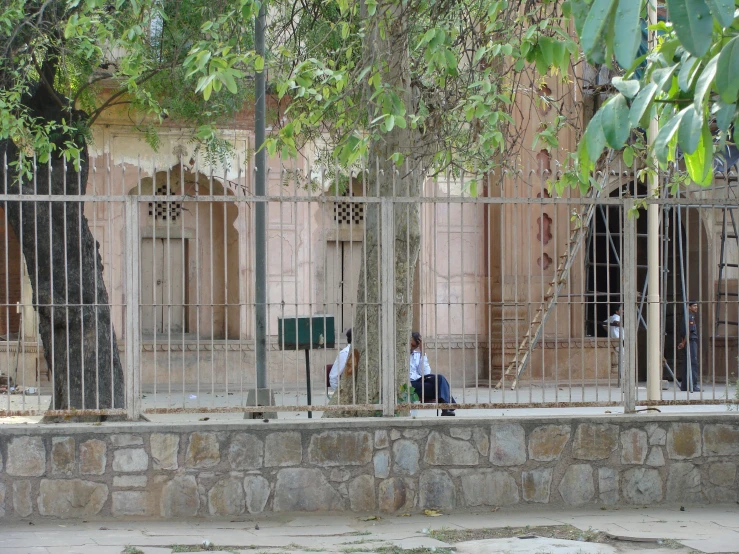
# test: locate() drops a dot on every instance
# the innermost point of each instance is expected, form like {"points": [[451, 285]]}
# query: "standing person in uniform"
{"points": [[691, 355], [428, 386]]}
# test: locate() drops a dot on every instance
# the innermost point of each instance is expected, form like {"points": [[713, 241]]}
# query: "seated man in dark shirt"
{"points": [[428, 386]]}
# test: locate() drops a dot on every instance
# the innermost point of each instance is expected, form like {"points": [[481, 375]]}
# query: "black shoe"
{"points": [[448, 413], [696, 388]]}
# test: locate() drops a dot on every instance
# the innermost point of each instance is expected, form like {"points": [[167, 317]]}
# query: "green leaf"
{"points": [[641, 103], [579, 9], [727, 71], [725, 115], [615, 120], [258, 63], [628, 31], [661, 147], [663, 76], [703, 84], [689, 133], [723, 11], [700, 163], [628, 156], [229, 81], [594, 137], [687, 73], [595, 24], [628, 88], [693, 24]]}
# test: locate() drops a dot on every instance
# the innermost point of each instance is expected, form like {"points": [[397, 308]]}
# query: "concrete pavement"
{"points": [[710, 529]]}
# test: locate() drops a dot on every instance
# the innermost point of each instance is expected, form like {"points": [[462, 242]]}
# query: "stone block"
{"points": [[720, 440], [203, 450], [305, 490], [246, 451], [339, 448], [381, 439], [362, 494], [536, 485], [683, 441], [641, 486], [129, 481], [125, 439], [657, 435], [130, 503], [488, 487], [397, 494], [22, 502], [684, 483], [507, 444], [226, 498], [395, 434], [464, 433], [180, 498], [594, 441], [405, 457], [481, 440], [633, 446], [608, 485], [130, 460], [93, 457], [547, 442], [416, 434], [62, 455], [436, 490], [26, 457], [443, 450], [257, 493], [382, 464], [165, 448], [656, 458], [283, 449], [576, 486], [722, 474], [339, 475], [71, 498]]}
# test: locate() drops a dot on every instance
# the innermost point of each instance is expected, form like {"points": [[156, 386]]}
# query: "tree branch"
{"points": [[94, 115]]}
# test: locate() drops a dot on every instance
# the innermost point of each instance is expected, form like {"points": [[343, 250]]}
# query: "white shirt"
{"points": [[415, 372], [614, 331], [338, 368]]}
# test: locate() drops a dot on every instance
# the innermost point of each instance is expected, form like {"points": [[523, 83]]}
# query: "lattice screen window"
{"points": [[346, 213], [169, 210]]}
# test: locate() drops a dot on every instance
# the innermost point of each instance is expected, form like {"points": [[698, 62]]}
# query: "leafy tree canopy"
{"points": [[688, 80]]}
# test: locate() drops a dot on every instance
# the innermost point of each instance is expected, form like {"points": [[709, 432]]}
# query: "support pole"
{"points": [[628, 331], [133, 339], [387, 272], [654, 342], [261, 396], [260, 209]]}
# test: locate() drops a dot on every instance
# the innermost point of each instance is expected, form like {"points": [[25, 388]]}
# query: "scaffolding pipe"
{"points": [[654, 342]]}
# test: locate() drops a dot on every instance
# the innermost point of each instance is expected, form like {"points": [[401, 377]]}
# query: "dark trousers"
{"points": [[426, 388], [691, 354]]}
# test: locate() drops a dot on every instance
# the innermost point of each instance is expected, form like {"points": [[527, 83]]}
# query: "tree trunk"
{"points": [[66, 273], [390, 49]]}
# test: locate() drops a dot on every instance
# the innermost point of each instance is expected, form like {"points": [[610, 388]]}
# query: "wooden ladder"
{"points": [[532, 336]]}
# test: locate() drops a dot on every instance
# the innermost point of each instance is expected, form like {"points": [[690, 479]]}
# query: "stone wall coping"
{"points": [[60, 429]]}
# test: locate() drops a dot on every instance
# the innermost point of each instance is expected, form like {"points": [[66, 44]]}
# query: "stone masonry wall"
{"points": [[367, 465]]}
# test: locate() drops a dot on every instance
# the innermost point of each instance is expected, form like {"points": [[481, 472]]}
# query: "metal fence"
{"points": [[514, 291]]}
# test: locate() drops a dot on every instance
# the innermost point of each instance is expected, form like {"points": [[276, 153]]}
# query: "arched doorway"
{"points": [[189, 277], [684, 253]]}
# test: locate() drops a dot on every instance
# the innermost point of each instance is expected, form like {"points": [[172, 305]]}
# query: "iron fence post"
{"points": [[133, 367], [387, 271]]}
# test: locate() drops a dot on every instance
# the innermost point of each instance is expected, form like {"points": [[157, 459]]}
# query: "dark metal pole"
{"points": [[307, 378], [260, 250]]}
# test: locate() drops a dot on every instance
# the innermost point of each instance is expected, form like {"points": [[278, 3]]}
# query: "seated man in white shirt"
{"points": [[340, 363], [428, 387]]}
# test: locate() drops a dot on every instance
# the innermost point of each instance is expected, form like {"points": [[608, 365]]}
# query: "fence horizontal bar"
{"points": [[270, 408], [63, 413], [522, 200]]}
